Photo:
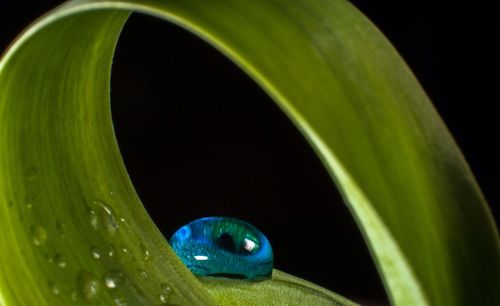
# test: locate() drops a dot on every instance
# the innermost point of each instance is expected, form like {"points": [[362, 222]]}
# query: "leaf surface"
{"points": [[65, 195]]}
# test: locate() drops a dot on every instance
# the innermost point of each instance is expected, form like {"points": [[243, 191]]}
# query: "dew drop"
{"points": [[54, 288], [146, 254], [126, 251], [120, 301], [113, 278], [60, 261], [61, 228], [94, 219], [143, 274], [110, 251], [163, 297], [88, 285], [95, 253], [38, 235], [228, 247], [31, 173], [166, 292], [108, 217], [30, 200]]}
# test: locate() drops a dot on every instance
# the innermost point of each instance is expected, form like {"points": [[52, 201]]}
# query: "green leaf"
{"points": [[65, 195], [283, 289]]}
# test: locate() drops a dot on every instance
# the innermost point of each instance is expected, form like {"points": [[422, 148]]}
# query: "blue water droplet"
{"points": [[227, 247]]}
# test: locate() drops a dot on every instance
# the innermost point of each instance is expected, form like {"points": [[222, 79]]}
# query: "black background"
{"points": [[199, 138]]}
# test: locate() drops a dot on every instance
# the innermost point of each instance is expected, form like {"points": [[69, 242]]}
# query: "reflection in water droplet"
{"points": [[88, 285], [218, 246], [60, 261], [96, 254], [112, 278], [38, 234], [31, 173], [165, 293], [54, 288]]}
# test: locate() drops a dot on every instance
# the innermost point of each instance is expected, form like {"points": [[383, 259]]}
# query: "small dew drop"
{"points": [[61, 228], [31, 173], [95, 253], [110, 251], [54, 288], [88, 285], [38, 235], [60, 261], [166, 292], [143, 274], [94, 219], [125, 251], [146, 254], [113, 278], [120, 301], [30, 200]]}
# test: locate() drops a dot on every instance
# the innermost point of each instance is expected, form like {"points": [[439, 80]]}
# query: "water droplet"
{"points": [[95, 252], [120, 301], [88, 285], [143, 274], [54, 288], [61, 228], [218, 246], [31, 173], [110, 251], [165, 293], [108, 217], [146, 255], [94, 219], [60, 261], [125, 251], [38, 234], [113, 278], [30, 200]]}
